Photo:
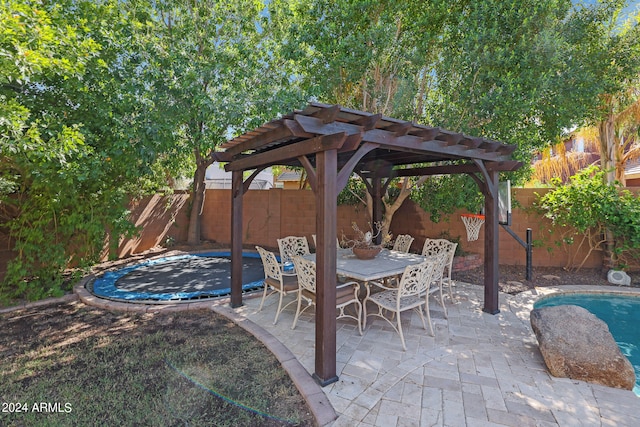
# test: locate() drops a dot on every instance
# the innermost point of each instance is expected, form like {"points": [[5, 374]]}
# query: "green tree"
{"points": [[373, 56], [67, 167], [608, 50], [106, 100], [609, 56], [505, 70], [212, 69], [376, 56], [605, 50], [504, 73]]}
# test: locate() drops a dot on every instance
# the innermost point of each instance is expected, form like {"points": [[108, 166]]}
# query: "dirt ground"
{"points": [[512, 279]]}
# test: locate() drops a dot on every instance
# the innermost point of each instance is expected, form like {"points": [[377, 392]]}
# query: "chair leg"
{"points": [[279, 307], [358, 314], [404, 347], [264, 296], [295, 319], [446, 316], [419, 310], [364, 313], [426, 308]]}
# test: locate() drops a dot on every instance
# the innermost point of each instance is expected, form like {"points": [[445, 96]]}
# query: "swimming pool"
{"points": [[179, 278], [620, 312]]}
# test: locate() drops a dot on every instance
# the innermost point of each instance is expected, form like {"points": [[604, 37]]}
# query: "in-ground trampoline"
{"points": [[179, 278]]}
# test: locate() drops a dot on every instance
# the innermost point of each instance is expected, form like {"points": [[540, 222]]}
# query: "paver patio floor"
{"points": [[478, 370]]}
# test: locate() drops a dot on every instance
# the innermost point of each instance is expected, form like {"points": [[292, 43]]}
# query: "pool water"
{"points": [[620, 312]]}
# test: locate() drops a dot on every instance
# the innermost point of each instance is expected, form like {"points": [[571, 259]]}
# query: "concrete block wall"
{"points": [[157, 217], [269, 215], [411, 219], [276, 213]]}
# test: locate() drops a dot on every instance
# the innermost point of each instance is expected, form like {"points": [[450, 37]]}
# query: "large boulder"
{"points": [[576, 344]]}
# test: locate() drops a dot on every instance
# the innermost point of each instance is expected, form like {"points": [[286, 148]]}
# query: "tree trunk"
{"points": [[197, 198], [391, 208], [608, 148], [608, 163], [620, 161]]}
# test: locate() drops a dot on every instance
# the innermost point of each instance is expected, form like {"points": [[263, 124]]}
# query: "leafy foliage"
{"points": [[371, 55], [103, 101], [209, 70], [587, 206], [511, 71], [442, 195], [61, 189], [354, 193]]}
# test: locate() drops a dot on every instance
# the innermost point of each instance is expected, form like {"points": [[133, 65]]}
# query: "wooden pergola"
{"points": [[332, 143]]}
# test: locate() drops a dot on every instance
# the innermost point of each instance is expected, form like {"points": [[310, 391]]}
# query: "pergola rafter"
{"points": [[331, 143]]}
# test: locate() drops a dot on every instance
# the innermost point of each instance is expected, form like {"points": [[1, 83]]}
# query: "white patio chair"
{"points": [[346, 293], [403, 243], [409, 295], [437, 246], [291, 246], [275, 280]]}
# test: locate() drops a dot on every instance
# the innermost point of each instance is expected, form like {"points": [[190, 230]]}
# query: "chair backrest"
{"points": [[442, 261], [417, 278], [451, 252], [270, 264], [435, 246], [291, 246], [403, 243], [441, 246], [306, 270]]}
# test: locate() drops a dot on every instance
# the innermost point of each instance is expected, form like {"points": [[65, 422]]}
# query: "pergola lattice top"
{"points": [[379, 140]]}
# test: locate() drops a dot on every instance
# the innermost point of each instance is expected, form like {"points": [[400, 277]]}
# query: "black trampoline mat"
{"points": [[192, 274]]}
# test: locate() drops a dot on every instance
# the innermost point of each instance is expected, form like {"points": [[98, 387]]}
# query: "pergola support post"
{"points": [[237, 193], [326, 228], [491, 269]]}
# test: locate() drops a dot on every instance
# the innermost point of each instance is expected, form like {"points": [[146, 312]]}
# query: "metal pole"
{"points": [[528, 247], [529, 253]]}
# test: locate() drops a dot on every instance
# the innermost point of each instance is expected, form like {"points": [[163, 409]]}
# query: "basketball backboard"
{"points": [[504, 202]]}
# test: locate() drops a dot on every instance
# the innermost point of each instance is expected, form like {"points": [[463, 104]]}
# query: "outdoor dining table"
{"points": [[386, 264]]}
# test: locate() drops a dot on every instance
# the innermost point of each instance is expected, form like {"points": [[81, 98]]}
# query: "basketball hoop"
{"points": [[472, 223]]}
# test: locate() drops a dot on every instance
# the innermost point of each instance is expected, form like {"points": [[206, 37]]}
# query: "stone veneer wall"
{"points": [[466, 262]]}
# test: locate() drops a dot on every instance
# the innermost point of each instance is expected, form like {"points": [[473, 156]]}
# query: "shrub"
{"points": [[584, 209]]}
